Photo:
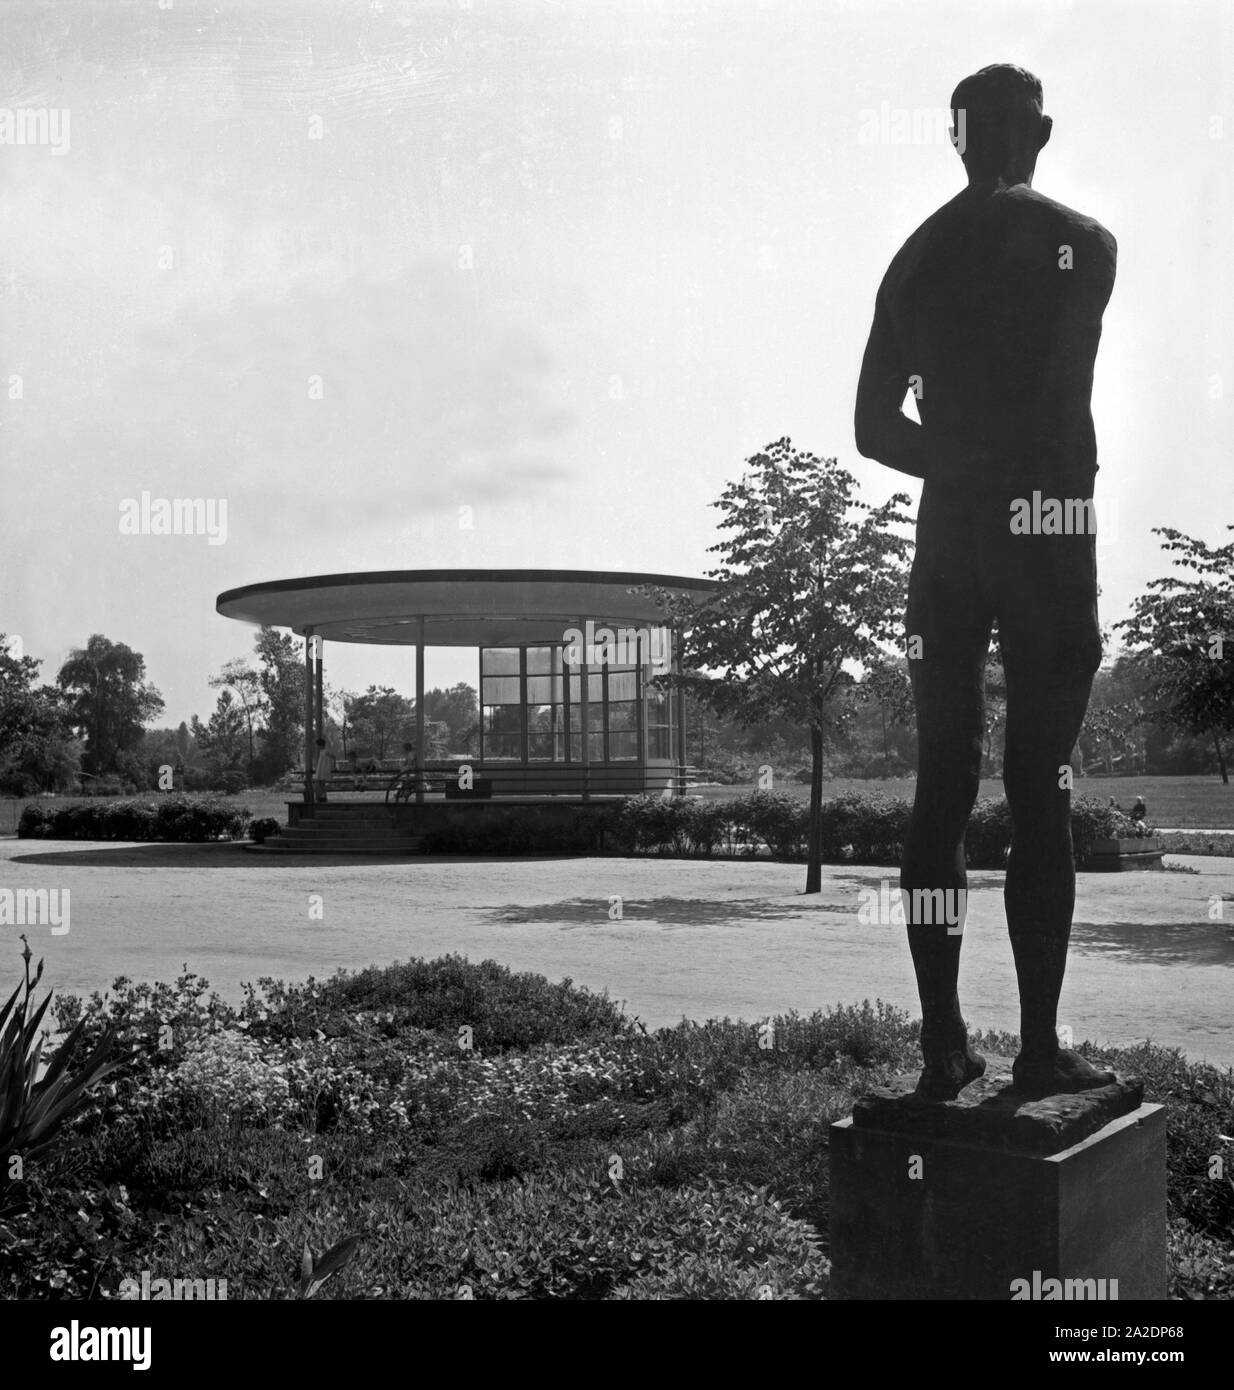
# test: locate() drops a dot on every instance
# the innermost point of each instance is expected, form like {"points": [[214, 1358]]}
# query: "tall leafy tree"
{"points": [[110, 699], [37, 748], [812, 585], [222, 739], [244, 681], [1118, 712], [995, 701], [458, 708], [886, 684], [281, 677], [183, 741], [381, 720], [1181, 635]]}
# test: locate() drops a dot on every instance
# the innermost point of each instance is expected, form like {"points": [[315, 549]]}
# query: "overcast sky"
{"points": [[352, 267]]}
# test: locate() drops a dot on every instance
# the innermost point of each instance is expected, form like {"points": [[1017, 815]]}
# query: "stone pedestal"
{"points": [[961, 1200]]}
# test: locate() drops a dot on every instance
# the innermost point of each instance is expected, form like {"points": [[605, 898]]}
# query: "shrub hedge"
{"points": [[172, 817], [262, 828], [857, 828]]}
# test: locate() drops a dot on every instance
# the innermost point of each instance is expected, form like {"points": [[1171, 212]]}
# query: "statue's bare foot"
{"points": [[946, 1074], [1061, 1074]]}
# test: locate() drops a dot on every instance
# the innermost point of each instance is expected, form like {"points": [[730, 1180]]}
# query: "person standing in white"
{"points": [[325, 770]]}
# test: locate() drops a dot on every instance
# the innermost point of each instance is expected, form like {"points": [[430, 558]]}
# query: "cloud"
{"points": [[365, 401]]}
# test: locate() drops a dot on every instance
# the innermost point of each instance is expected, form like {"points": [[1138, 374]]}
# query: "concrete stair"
{"points": [[346, 830]]}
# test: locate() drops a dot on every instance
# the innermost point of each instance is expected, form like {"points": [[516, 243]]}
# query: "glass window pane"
{"points": [[622, 746], [543, 689], [622, 685], [499, 661], [540, 747], [658, 743], [539, 660], [502, 719], [503, 747], [595, 688], [499, 690], [539, 718], [624, 715], [657, 706], [576, 748], [597, 748]]}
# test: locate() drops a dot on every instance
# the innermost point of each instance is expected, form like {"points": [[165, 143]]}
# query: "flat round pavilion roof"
{"points": [[460, 608]]}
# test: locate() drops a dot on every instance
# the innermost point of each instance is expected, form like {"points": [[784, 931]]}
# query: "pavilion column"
{"points": [[420, 711], [308, 715], [319, 654], [681, 717], [584, 704], [640, 690]]}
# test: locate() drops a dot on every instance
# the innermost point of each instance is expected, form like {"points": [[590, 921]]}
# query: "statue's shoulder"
{"points": [[1076, 228], [935, 228]]}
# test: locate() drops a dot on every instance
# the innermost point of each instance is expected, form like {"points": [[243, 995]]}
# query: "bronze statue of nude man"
{"points": [[991, 314]]}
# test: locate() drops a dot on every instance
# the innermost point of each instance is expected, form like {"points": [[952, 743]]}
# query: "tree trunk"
{"points": [[814, 852], [1225, 776]]}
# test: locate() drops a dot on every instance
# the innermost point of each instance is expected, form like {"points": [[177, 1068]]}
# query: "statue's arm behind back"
{"points": [[883, 432]]}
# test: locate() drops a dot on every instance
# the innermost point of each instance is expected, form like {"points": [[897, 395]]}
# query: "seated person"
{"points": [[409, 778]]}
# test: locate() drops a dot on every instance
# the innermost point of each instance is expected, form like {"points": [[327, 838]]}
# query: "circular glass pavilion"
{"points": [[566, 661]]}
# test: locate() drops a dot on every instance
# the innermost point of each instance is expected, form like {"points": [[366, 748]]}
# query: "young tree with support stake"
{"points": [[812, 582]]}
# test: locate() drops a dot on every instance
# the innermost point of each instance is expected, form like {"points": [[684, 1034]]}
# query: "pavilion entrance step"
{"points": [[402, 846], [338, 830]]}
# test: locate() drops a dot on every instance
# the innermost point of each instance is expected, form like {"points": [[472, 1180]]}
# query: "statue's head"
{"points": [[998, 125]]}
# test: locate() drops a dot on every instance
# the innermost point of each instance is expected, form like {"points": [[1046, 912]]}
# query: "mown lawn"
{"points": [[1174, 801], [490, 1135]]}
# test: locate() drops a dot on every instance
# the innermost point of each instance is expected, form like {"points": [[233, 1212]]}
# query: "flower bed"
{"points": [[557, 1150]]}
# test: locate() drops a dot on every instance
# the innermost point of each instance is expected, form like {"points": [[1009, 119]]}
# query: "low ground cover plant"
{"points": [[555, 1150]]}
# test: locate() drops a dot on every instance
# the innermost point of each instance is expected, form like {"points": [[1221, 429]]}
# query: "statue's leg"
{"points": [[1051, 648], [948, 676]]}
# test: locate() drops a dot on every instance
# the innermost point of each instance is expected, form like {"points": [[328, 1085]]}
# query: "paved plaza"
{"points": [[695, 938]]}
